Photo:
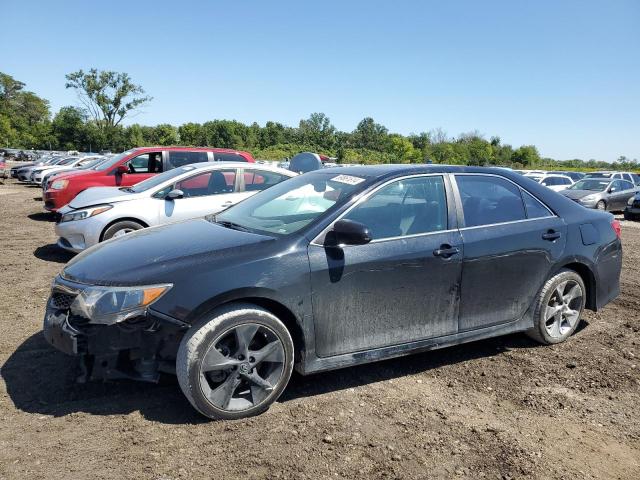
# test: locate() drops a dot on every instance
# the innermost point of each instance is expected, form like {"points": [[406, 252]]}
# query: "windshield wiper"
{"points": [[232, 225], [127, 189]]}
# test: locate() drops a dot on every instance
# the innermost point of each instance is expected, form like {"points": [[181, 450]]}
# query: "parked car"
{"points": [[629, 176], [131, 167], [601, 193], [574, 176], [42, 160], [329, 269], [24, 172], [38, 173], [552, 181], [632, 210], [67, 161], [92, 163], [534, 172], [4, 171], [102, 213]]}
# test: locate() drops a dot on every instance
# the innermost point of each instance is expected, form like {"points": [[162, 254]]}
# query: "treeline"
{"points": [[25, 122]]}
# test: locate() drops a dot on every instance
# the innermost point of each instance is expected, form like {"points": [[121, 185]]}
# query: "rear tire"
{"points": [[558, 308], [121, 228], [235, 363]]}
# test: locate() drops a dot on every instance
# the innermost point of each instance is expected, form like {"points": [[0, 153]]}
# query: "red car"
{"points": [[131, 167]]}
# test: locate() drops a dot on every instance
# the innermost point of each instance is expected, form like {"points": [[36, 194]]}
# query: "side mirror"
{"points": [[347, 232], [122, 169], [173, 194], [612, 189]]}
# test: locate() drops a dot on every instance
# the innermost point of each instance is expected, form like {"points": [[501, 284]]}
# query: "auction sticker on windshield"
{"points": [[348, 179]]}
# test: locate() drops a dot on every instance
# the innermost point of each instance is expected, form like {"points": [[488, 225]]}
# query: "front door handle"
{"points": [[551, 235], [446, 251]]}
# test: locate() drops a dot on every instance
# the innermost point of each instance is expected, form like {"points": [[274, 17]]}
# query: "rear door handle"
{"points": [[551, 235], [446, 251]]}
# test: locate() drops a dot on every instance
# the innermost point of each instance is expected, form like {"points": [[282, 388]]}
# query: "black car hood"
{"points": [[577, 194], [153, 255]]}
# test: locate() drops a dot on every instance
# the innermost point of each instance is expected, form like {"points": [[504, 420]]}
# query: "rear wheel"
{"points": [[119, 229], [559, 306], [235, 363], [601, 205]]}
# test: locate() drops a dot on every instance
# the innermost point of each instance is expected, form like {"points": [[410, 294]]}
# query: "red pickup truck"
{"points": [[131, 167]]}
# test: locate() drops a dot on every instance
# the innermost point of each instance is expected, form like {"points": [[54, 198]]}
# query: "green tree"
{"points": [[191, 134], [526, 155], [369, 135], [108, 96], [68, 128], [317, 131], [165, 134]]}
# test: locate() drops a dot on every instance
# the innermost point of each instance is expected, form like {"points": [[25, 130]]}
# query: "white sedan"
{"points": [[191, 191], [553, 181]]}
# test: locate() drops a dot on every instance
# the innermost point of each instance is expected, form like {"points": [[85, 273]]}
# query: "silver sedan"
{"points": [[601, 193], [102, 213]]}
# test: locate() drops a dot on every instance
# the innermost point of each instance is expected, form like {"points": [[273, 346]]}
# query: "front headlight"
{"points": [[109, 305], [60, 184], [84, 213], [631, 200]]}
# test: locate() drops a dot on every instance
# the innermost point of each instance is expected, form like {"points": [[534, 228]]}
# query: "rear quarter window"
{"points": [[228, 157]]}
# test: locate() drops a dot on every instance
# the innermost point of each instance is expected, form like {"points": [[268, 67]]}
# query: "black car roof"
{"points": [[402, 169]]}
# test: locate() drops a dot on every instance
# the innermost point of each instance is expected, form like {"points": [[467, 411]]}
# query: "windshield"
{"points": [[113, 160], [293, 204], [591, 184], [158, 179]]}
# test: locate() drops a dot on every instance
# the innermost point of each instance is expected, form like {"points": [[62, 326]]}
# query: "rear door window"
{"points": [[487, 200], [625, 185], [178, 158], [257, 180], [208, 183]]}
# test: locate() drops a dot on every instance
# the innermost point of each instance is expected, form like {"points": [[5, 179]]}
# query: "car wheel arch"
{"points": [[275, 307], [124, 219], [588, 277]]}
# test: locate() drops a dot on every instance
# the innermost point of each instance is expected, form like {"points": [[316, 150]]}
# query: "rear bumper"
{"points": [[608, 267]]}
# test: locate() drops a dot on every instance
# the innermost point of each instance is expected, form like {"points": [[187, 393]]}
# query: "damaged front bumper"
{"points": [[138, 348]]}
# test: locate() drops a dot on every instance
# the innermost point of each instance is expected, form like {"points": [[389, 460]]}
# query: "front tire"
{"points": [[629, 216], [558, 308], [601, 205], [235, 363], [119, 229]]}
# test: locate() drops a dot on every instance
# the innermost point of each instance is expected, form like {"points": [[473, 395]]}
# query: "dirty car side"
{"points": [[342, 306]]}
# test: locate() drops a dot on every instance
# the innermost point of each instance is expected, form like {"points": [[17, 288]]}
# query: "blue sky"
{"points": [[562, 75]]}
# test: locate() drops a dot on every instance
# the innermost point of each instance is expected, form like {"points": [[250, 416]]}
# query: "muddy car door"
{"points": [[400, 287], [511, 241]]}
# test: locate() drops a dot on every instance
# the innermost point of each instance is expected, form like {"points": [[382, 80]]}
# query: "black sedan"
{"points": [[333, 268]]}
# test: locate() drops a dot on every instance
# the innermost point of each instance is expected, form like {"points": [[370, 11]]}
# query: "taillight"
{"points": [[615, 224]]}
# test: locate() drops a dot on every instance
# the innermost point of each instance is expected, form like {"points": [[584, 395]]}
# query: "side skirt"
{"points": [[313, 364]]}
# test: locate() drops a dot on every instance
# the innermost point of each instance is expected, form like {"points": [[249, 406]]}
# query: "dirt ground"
{"points": [[503, 408]]}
